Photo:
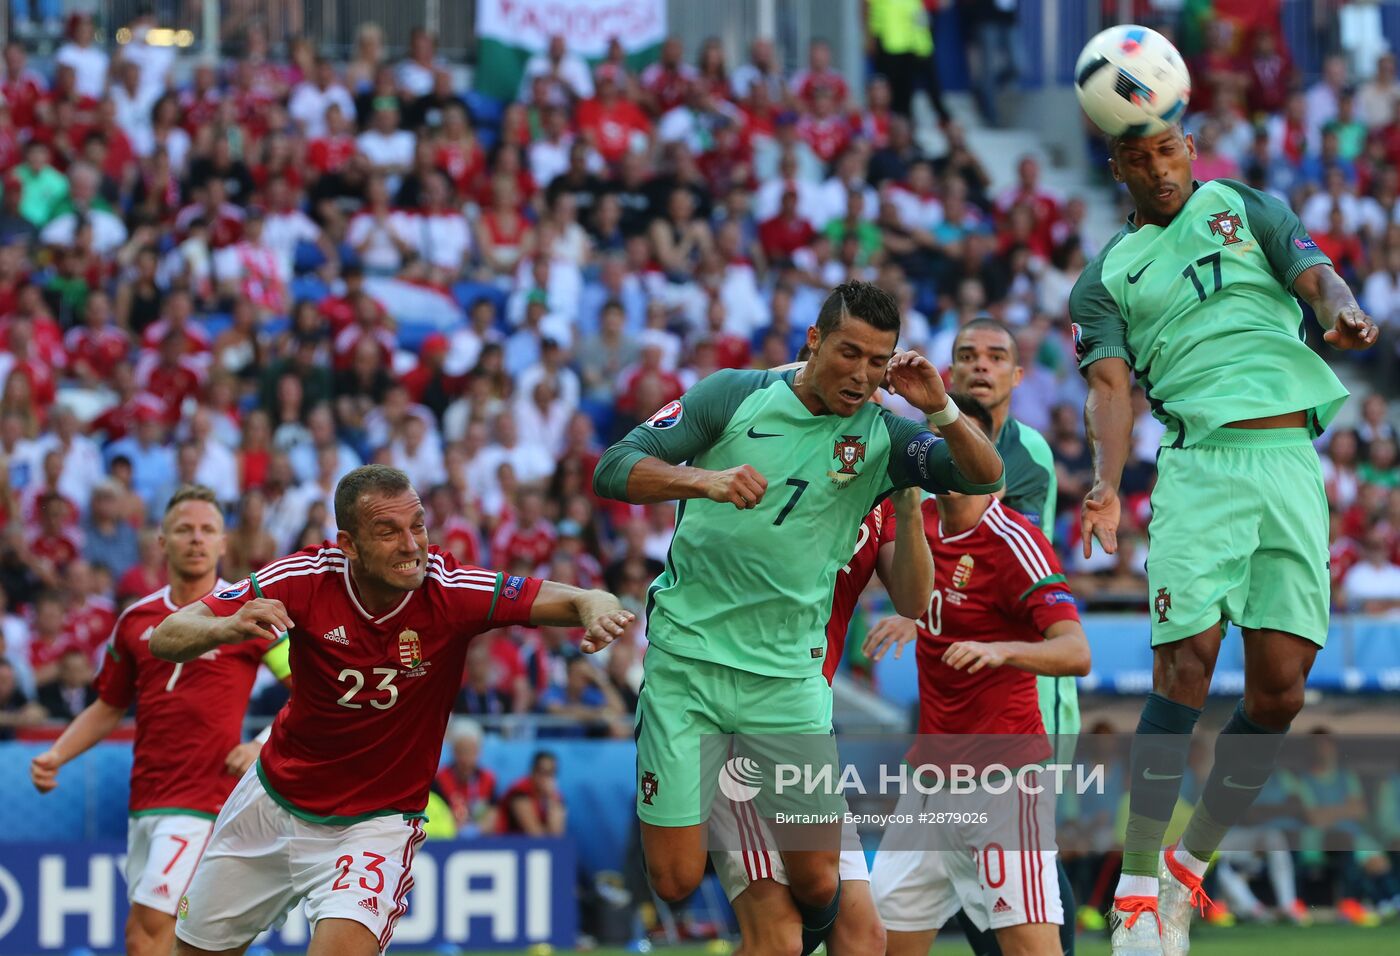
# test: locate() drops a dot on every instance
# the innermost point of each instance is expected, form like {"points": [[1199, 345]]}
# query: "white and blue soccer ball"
{"points": [[1131, 81]]}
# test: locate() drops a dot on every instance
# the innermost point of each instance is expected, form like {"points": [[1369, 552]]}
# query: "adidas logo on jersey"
{"points": [[1002, 906], [337, 634], [372, 904], [162, 890]]}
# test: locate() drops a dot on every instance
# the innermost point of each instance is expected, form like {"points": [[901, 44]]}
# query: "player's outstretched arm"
{"points": [[652, 480], [96, 721], [598, 612], [1063, 653], [906, 566], [1108, 423], [195, 630], [915, 378], [1348, 327]]}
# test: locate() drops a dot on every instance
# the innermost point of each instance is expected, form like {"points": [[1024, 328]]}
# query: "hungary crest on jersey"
{"points": [[410, 650]]}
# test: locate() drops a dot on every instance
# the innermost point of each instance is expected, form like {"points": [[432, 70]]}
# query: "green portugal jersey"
{"points": [[1030, 474], [752, 589], [1203, 310]]}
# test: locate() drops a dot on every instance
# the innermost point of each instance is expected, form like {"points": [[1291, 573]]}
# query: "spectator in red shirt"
{"points": [[31, 372], [1270, 74], [819, 75], [786, 232], [533, 805], [1341, 246], [824, 129], [171, 373], [49, 639], [614, 123], [95, 347], [22, 88], [665, 82], [55, 541], [468, 787], [527, 537]]}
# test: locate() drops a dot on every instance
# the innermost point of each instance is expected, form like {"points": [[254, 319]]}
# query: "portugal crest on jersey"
{"points": [[848, 452], [410, 650], [1227, 224]]}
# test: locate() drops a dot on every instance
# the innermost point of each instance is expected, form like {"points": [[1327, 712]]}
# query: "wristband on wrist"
{"points": [[946, 415]]}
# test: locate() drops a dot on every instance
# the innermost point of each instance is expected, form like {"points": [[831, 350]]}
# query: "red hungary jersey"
{"points": [[875, 530], [999, 581], [188, 716], [363, 733]]}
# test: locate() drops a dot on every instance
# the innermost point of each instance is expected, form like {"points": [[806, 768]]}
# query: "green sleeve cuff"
{"points": [[966, 487], [1043, 582], [1106, 351], [1301, 266], [610, 477]]}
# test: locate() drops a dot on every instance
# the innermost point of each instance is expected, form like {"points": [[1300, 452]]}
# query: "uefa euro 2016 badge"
{"points": [[410, 650], [848, 452]]}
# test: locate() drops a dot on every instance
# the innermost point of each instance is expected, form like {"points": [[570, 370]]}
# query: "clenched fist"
{"points": [[743, 487]]}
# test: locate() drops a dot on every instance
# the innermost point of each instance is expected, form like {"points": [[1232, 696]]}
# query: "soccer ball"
{"points": [[1131, 81]]}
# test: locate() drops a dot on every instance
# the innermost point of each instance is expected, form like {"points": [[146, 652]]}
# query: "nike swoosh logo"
{"points": [[1149, 775], [754, 434], [1240, 786], [1132, 279]]}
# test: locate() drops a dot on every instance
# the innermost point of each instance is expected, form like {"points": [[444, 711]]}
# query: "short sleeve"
{"points": [[1096, 319], [283, 580], [919, 458], [116, 681], [679, 430], [1280, 233], [480, 599], [1049, 603]]}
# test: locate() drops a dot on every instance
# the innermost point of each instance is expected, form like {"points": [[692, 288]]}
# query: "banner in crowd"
{"points": [[495, 893], [510, 31]]}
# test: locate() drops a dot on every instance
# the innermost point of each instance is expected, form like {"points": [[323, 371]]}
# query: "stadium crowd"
{"points": [[200, 267]]}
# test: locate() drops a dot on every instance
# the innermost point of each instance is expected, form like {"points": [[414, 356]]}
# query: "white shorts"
{"points": [[262, 861], [997, 862], [738, 824], [161, 852]]}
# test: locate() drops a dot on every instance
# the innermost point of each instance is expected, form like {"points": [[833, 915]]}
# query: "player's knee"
{"points": [[1184, 673], [773, 938], [1273, 708], [816, 888], [673, 884]]}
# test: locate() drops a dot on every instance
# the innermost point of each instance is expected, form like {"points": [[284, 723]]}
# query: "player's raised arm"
{"points": [[905, 566], [598, 612], [1101, 344], [195, 630], [646, 466], [974, 456]]}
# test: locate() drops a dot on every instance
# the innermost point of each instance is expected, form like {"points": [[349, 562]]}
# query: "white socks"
{"points": [[1133, 885]]}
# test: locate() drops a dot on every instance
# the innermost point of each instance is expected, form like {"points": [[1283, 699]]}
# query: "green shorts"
{"points": [[684, 708], [1239, 534]]}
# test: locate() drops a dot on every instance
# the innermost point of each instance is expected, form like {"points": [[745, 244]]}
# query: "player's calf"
{"points": [[768, 921], [149, 932], [675, 859], [858, 930], [1029, 939]]}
